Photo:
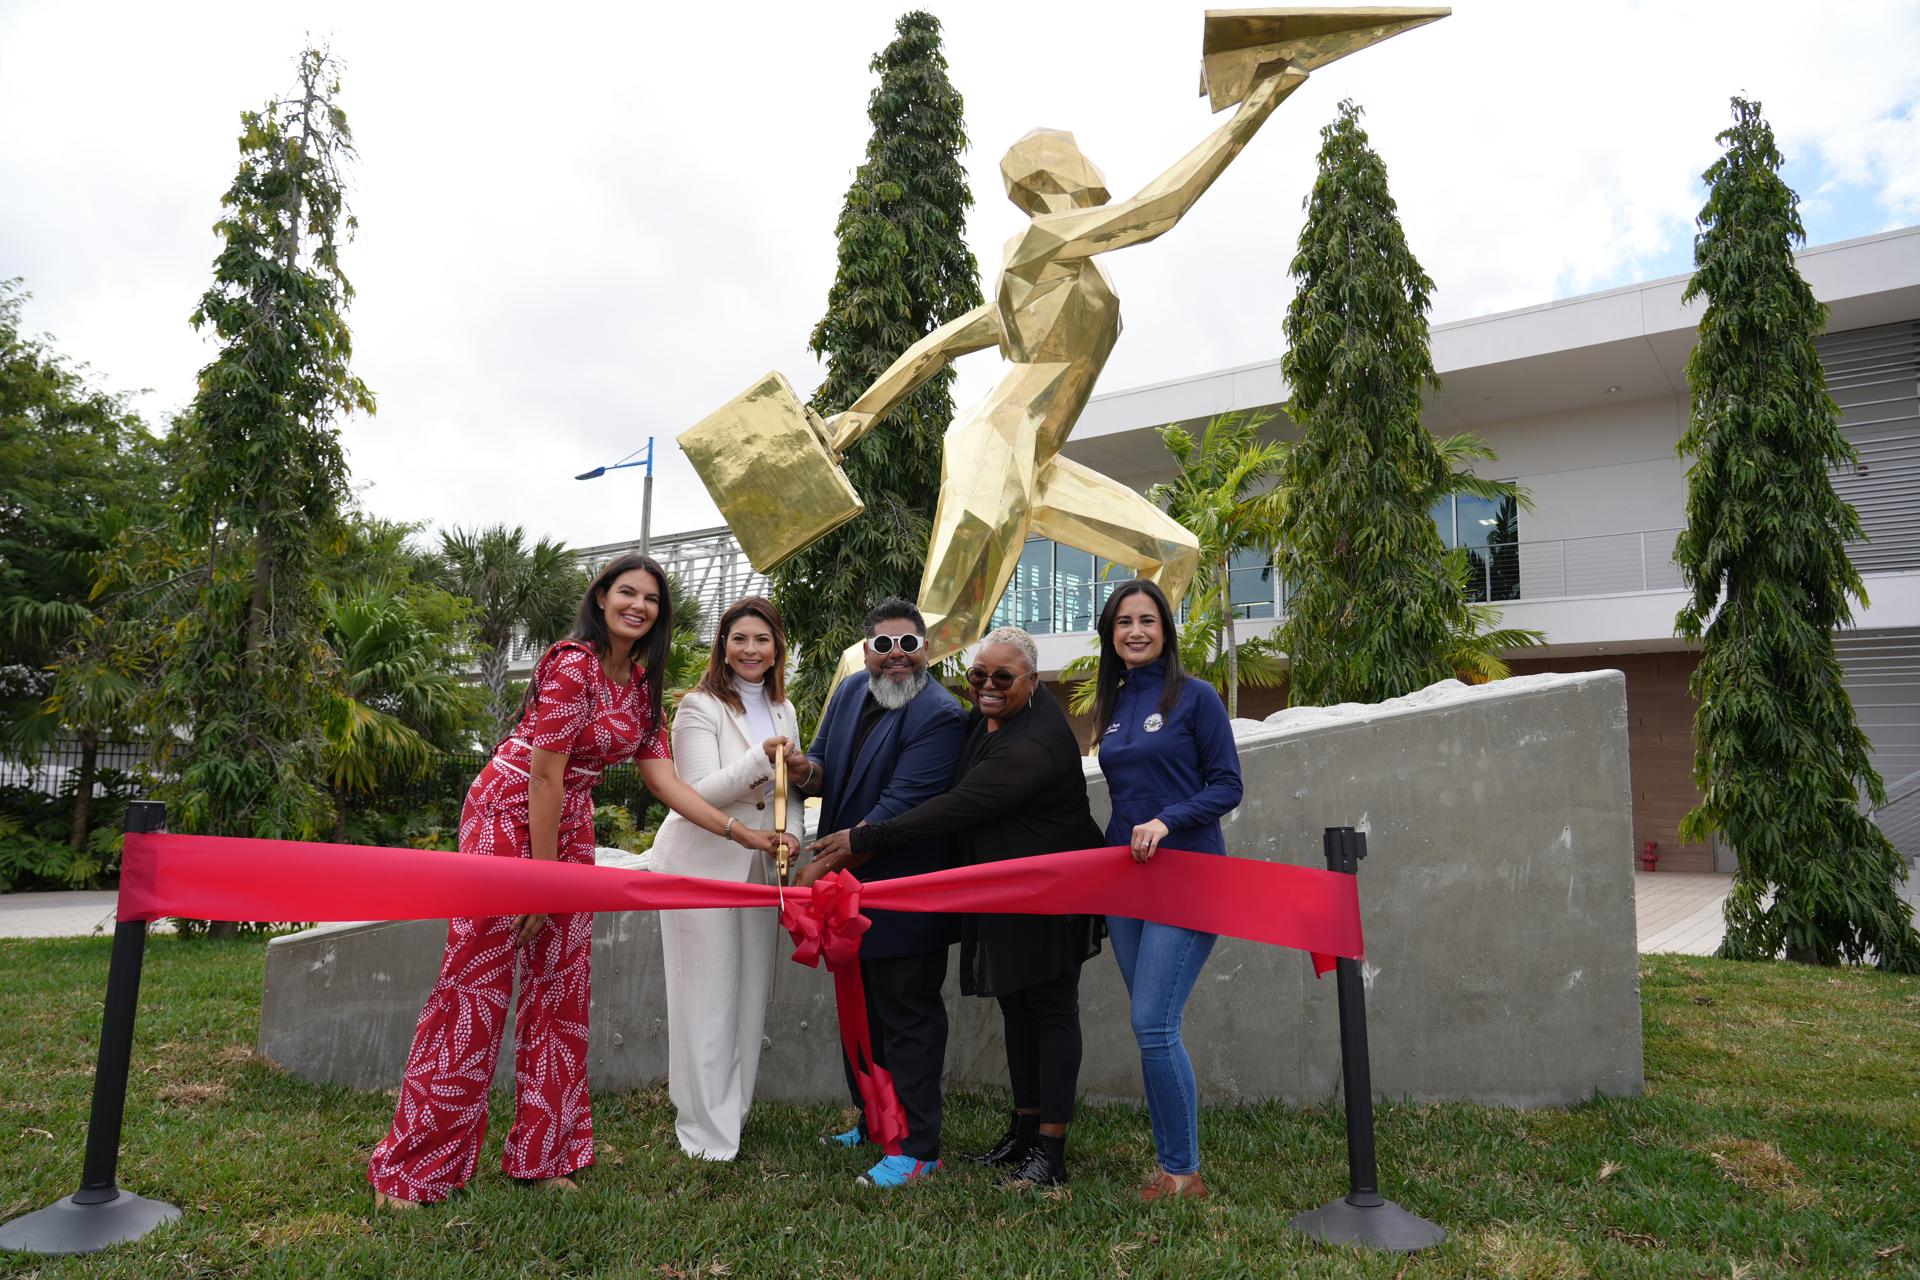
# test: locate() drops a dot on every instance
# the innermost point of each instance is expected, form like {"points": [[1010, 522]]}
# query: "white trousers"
{"points": [[718, 964]]}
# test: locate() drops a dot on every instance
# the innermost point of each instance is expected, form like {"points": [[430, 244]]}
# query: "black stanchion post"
{"points": [[1363, 1216], [100, 1213]]}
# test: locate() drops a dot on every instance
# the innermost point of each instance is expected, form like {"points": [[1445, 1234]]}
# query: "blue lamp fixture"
{"points": [[634, 459]]}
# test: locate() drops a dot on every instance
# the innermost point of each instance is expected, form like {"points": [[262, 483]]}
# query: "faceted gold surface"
{"points": [[1054, 318], [764, 458], [1237, 41]]}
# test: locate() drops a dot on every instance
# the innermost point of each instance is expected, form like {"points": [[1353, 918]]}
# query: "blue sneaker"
{"points": [[896, 1171], [851, 1138]]}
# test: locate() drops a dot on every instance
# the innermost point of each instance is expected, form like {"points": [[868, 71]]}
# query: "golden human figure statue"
{"points": [[1055, 319]]}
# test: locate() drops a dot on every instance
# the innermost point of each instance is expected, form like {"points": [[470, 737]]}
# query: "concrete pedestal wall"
{"points": [[1497, 898]]}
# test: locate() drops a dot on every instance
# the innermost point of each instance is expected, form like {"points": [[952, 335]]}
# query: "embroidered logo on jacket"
{"points": [[1152, 723]]}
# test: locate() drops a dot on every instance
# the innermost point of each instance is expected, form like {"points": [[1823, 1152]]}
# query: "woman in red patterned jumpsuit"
{"points": [[593, 702]]}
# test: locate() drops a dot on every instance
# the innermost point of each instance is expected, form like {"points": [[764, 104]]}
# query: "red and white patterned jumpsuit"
{"points": [[441, 1119]]}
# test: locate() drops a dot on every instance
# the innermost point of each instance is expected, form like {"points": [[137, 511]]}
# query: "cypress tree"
{"points": [[1780, 760], [904, 270], [1376, 608]]}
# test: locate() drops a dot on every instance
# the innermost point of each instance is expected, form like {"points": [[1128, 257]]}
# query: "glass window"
{"points": [[1032, 587], [1490, 532], [1442, 514], [1072, 589], [1250, 584], [1107, 575]]}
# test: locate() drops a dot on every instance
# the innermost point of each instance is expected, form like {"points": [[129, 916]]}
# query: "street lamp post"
{"points": [[646, 491]]}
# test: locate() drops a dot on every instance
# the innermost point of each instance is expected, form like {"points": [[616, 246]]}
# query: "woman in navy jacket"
{"points": [[1167, 751]]}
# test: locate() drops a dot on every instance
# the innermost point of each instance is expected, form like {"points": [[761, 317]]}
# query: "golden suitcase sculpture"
{"points": [[765, 460]]}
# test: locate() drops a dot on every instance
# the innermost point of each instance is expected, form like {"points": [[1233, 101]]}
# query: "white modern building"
{"points": [[1584, 401]]}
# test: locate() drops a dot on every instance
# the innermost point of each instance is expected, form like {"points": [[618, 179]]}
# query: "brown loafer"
{"points": [[1164, 1187]]}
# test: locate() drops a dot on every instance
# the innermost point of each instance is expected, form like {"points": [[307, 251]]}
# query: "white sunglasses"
{"points": [[884, 645]]}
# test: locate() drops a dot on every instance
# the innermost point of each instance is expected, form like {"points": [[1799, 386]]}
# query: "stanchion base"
{"points": [[1382, 1226], [66, 1227]]}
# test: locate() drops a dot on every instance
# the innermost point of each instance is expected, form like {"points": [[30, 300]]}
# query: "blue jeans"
{"points": [[1160, 963]]}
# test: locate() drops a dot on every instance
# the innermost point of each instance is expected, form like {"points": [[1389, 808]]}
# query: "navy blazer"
{"points": [[909, 757]]}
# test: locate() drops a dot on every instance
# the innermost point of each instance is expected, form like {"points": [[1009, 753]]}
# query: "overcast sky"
{"points": [[584, 225]]}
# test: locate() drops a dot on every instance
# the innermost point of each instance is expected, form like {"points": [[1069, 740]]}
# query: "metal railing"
{"points": [[55, 770], [1501, 572]]}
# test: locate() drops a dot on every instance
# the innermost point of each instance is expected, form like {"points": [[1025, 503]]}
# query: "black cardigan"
{"points": [[1020, 790]]}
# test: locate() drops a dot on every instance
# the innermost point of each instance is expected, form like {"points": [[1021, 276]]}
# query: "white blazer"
{"points": [[717, 756]]}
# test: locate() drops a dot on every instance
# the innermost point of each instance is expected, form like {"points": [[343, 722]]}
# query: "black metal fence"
{"points": [[444, 784], [54, 771]]}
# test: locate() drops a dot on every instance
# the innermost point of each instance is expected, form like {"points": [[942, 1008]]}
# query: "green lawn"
{"points": [[1780, 1136]]}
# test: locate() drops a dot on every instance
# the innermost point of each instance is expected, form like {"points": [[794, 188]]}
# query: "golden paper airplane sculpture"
{"points": [[772, 465]]}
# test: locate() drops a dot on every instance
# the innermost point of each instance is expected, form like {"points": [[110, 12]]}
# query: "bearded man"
{"points": [[891, 738]]}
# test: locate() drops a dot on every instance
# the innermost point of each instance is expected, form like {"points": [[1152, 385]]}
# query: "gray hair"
{"points": [[1018, 639]]}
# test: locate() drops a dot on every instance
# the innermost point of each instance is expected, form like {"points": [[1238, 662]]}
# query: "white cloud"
{"points": [[589, 225]]}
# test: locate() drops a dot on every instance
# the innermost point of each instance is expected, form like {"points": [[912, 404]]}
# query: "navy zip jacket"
{"points": [[1179, 766]]}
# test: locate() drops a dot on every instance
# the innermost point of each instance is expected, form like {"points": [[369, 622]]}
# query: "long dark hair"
{"points": [[1107, 687], [649, 653], [717, 681]]}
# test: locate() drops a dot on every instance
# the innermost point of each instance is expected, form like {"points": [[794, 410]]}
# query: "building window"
{"points": [[1250, 579], [1058, 589], [1490, 533]]}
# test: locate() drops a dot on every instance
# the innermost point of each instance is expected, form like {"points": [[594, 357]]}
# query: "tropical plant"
{"points": [[904, 269], [520, 593], [241, 701], [399, 700], [1780, 758], [1223, 492], [1379, 607], [1474, 651], [76, 467]]}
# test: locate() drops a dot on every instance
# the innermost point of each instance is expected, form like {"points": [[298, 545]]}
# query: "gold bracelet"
{"points": [[726, 832]]}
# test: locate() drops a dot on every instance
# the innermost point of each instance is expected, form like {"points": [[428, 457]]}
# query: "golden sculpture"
{"points": [[1055, 318]]}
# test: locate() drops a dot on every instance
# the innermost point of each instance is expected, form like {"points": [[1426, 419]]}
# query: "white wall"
{"points": [[1594, 471]]}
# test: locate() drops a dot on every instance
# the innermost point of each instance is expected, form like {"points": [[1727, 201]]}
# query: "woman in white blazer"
{"points": [[718, 962]]}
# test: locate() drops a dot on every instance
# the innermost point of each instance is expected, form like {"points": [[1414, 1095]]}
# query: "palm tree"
{"points": [[518, 592], [1223, 493], [399, 701]]}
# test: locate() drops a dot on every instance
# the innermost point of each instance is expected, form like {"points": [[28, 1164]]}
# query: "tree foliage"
{"points": [[1378, 606], [521, 592], [75, 465], [264, 479], [904, 269], [400, 647], [1780, 759], [1224, 492]]}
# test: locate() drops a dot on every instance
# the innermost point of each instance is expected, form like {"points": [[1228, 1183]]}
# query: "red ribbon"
{"points": [[826, 924], [225, 878]]}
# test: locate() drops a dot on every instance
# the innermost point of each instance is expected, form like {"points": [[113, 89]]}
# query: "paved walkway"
{"points": [[56, 915], [1679, 911]]}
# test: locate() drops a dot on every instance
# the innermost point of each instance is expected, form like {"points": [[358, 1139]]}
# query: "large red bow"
{"points": [[827, 925]]}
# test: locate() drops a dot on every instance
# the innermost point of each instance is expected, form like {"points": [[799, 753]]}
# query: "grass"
{"points": [[1779, 1136]]}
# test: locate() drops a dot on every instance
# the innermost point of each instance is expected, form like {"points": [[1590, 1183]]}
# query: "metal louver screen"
{"points": [[1874, 375], [1881, 671]]}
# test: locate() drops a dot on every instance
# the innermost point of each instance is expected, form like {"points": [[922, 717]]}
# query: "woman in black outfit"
{"points": [[1021, 790]]}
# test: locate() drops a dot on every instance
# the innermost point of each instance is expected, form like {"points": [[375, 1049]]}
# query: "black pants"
{"points": [[1043, 1045], [909, 1025]]}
